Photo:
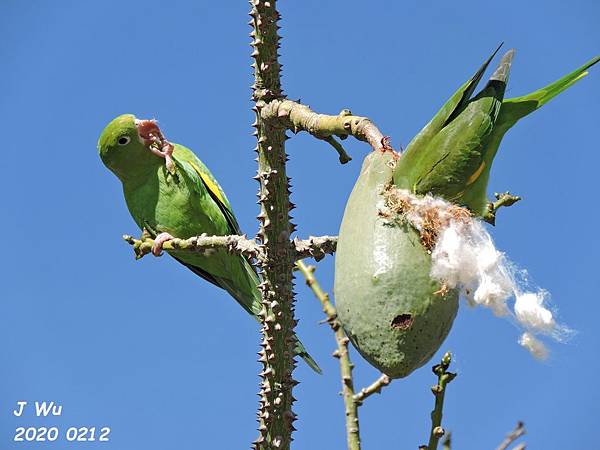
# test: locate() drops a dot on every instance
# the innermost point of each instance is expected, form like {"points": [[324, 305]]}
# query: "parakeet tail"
{"points": [[496, 85], [302, 353], [514, 109]]}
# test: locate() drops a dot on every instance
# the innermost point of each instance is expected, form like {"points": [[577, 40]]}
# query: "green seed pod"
{"points": [[391, 309]]}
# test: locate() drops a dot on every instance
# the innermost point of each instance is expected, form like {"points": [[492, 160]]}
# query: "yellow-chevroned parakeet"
{"points": [[170, 192], [452, 156]]}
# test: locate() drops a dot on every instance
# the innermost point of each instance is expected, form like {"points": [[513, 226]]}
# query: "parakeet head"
{"points": [[130, 147]]}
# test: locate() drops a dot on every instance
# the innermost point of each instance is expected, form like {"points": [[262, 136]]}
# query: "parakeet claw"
{"points": [[152, 137], [158, 243]]}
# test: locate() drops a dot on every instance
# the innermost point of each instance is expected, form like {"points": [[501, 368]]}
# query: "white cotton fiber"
{"points": [[464, 256], [532, 314], [534, 345]]}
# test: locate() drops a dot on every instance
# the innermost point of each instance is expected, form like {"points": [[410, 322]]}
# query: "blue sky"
{"points": [[168, 361]]}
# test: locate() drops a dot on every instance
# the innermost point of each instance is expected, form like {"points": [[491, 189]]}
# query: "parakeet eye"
{"points": [[124, 140]]}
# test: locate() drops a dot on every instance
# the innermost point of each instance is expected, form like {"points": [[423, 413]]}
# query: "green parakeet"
{"points": [[170, 192], [452, 156]]}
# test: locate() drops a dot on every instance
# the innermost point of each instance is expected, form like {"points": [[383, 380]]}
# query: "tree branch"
{"points": [[373, 388], [315, 247], [512, 436], [233, 243], [297, 117], [439, 390]]}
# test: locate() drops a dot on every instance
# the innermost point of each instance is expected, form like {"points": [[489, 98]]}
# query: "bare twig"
{"points": [[513, 436], [339, 148], [298, 117], [439, 390], [503, 199], [315, 247], [352, 401], [374, 388], [352, 424], [202, 243]]}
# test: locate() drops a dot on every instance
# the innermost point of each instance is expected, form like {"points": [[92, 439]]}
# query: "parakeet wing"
{"points": [[457, 159], [454, 159], [197, 171], [202, 179]]}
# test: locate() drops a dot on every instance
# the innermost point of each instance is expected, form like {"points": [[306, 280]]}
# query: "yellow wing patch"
{"points": [[474, 177], [210, 184]]}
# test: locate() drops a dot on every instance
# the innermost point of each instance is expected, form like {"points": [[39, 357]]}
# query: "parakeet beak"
{"points": [[148, 131], [150, 135]]}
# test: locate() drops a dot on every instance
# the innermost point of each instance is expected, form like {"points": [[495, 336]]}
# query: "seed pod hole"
{"points": [[402, 321]]}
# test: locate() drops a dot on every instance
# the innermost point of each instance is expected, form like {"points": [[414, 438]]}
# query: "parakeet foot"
{"points": [[153, 139], [159, 242], [503, 199]]}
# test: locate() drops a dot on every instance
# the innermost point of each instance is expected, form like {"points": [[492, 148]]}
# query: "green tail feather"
{"points": [[514, 109], [511, 111], [302, 353], [503, 70]]}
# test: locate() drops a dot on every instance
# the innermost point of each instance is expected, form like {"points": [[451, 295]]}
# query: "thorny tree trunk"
{"points": [[274, 115], [275, 413]]}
